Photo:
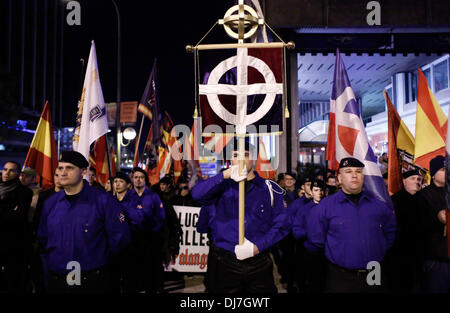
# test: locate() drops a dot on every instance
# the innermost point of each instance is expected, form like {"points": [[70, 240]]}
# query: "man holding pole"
{"points": [[245, 267]]}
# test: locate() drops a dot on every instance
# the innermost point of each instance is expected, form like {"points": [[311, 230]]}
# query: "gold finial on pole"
{"points": [[189, 48], [245, 22], [195, 113]]}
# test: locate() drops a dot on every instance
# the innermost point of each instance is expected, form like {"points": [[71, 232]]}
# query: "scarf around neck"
{"points": [[8, 186]]}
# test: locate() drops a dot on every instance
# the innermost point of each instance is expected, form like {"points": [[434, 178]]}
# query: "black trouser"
{"points": [[12, 272], [94, 281], [36, 272], [286, 262], [142, 268], [403, 272], [315, 271], [210, 269], [342, 280], [252, 275]]}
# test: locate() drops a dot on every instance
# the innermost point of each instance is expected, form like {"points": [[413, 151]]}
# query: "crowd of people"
{"points": [[121, 234], [321, 232]]}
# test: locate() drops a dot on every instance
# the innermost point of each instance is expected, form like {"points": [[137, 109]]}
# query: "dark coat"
{"points": [[431, 201], [14, 230]]}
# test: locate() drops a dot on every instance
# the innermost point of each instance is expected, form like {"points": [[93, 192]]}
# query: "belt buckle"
{"points": [[362, 272]]}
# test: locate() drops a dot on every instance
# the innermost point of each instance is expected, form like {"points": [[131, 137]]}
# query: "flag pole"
{"points": [[108, 156], [241, 152], [139, 138]]}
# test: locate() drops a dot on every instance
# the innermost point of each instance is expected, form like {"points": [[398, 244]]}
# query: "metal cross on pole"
{"points": [[241, 22]]}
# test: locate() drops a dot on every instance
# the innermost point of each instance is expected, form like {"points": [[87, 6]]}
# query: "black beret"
{"points": [[436, 164], [318, 183], [75, 158], [410, 173], [292, 174], [307, 179], [124, 176], [350, 162]]}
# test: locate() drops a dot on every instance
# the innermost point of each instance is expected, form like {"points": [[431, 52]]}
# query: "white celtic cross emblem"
{"points": [[241, 90]]}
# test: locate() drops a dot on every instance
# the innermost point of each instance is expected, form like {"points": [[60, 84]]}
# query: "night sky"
{"points": [[149, 30]]}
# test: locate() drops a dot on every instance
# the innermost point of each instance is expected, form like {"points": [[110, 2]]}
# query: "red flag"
{"points": [[263, 165], [42, 155], [394, 172], [112, 155], [331, 140], [101, 160]]}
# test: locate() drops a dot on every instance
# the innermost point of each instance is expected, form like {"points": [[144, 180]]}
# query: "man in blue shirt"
{"points": [[355, 229], [248, 267], [132, 262], [148, 243], [80, 228], [311, 268]]}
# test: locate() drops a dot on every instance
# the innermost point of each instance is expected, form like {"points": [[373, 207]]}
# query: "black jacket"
{"points": [[408, 239], [14, 230], [185, 201], [431, 200]]}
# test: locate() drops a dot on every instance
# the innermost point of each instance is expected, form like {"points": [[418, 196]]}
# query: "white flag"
{"points": [[91, 117]]}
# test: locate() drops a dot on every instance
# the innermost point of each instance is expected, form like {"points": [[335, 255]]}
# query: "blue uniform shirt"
{"points": [[205, 219], [352, 235], [301, 210], [149, 213], [295, 206], [264, 225], [87, 229]]}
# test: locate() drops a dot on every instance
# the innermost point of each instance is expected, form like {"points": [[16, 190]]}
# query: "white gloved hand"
{"points": [[245, 250], [236, 176]]}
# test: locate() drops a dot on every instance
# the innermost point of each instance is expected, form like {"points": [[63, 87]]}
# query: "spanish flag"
{"points": [[101, 160], [431, 126], [42, 155], [399, 138], [263, 165]]}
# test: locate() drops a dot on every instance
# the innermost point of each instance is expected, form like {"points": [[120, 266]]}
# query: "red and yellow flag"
{"points": [[42, 155], [431, 125], [399, 138], [101, 160]]}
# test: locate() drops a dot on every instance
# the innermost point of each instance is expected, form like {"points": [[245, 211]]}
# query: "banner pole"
{"points": [[241, 152]]}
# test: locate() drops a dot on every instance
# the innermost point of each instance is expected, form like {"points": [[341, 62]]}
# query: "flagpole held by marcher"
{"points": [[241, 22], [241, 153]]}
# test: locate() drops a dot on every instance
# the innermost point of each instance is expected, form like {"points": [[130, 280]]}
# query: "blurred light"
{"points": [[314, 150], [22, 123], [2, 147], [323, 148], [129, 133]]}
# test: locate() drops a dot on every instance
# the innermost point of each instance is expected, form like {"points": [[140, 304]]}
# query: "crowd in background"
{"points": [[300, 269]]}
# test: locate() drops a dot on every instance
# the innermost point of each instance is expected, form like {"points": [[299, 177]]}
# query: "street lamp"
{"points": [[129, 134], [119, 135]]}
